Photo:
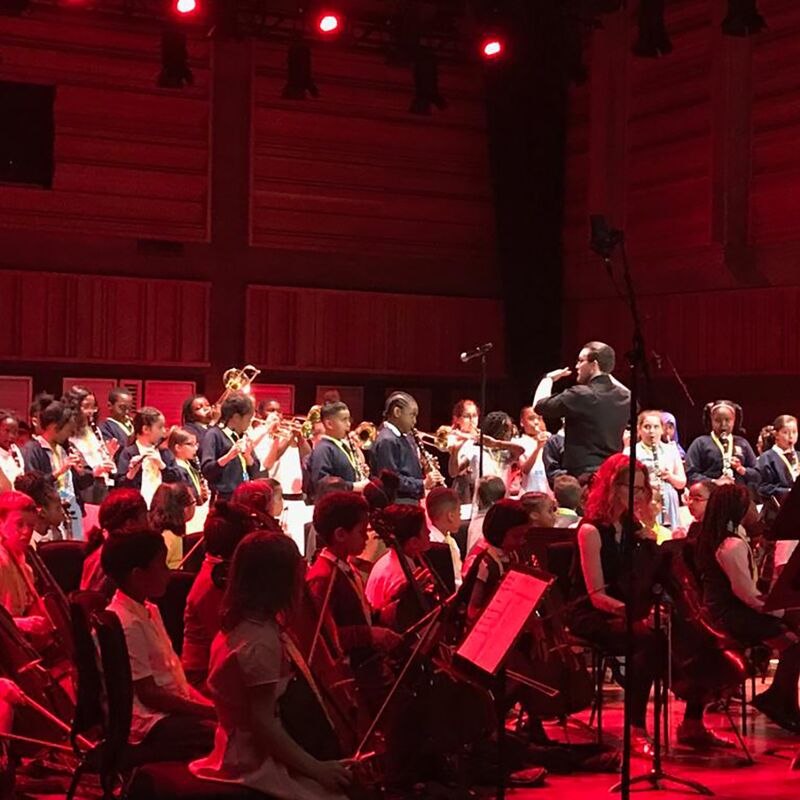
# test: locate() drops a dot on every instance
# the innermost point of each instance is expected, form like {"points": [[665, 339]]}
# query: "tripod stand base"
{"points": [[658, 780]]}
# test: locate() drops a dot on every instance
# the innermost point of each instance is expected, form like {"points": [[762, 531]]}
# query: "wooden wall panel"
{"points": [[353, 171], [736, 332], [775, 200], [94, 319], [668, 169], [368, 332], [16, 393], [131, 159], [168, 397]]}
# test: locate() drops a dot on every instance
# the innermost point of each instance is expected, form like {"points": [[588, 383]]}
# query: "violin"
{"points": [[55, 608], [323, 661], [322, 708], [20, 661]]}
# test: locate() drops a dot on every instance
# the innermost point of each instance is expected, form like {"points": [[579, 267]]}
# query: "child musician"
{"points": [[17, 593], [333, 455], [340, 521], [88, 440], [464, 432], [226, 453], [664, 465], [779, 468], [778, 465], [504, 532], [395, 450], [197, 416], [143, 465], [249, 673], [171, 720], [172, 508], [11, 464], [444, 513], [117, 425], [182, 443], [50, 516], [225, 527], [387, 580], [722, 456], [533, 476], [47, 452], [122, 508]]}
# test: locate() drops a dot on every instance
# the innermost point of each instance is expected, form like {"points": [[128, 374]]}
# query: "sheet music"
{"points": [[487, 644]]}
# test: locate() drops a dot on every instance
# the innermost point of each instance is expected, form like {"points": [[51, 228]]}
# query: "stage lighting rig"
{"points": [[653, 40], [743, 19]]}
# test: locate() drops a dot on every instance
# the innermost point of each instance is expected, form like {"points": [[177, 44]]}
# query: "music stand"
{"points": [[787, 522], [486, 647], [786, 591]]}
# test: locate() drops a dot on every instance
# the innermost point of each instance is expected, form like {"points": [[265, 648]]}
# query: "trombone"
{"points": [[237, 380]]}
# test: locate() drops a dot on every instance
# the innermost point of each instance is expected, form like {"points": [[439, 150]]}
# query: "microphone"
{"points": [[476, 352]]}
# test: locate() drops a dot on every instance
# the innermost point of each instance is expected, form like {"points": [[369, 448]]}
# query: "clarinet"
{"points": [[727, 470], [426, 460], [103, 449]]}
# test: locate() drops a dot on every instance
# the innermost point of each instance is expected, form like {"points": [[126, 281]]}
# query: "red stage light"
{"points": [[186, 6], [328, 23], [492, 48]]}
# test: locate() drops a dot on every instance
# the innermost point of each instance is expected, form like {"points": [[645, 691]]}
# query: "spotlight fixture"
{"points": [[742, 19], [492, 48], [653, 40], [329, 23], [426, 83], [299, 80], [185, 7], [175, 72]]}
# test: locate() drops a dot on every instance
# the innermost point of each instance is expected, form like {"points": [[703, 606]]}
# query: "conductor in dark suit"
{"points": [[595, 410]]}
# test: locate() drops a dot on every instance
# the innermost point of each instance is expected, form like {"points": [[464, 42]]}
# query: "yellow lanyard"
{"points": [[726, 456], [190, 469], [792, 470], [350, 456]]}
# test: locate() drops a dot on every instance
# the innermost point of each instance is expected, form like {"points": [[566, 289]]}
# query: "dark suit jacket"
{"points": [[595, 415], [327, 460], [399, 454]]}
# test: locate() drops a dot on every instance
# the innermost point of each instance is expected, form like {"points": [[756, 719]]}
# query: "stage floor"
{"points": [[769, 778]]}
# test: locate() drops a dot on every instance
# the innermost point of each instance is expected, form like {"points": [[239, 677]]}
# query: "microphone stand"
{"points": [[483, 415], [637, 361]]}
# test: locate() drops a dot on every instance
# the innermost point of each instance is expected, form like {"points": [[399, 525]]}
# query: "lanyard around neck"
{"points": [[346, 450]]}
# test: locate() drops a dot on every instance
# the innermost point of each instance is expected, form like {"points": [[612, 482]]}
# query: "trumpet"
{"points": [[287, 425], [237, 380], [365, 435], [438, 440]]}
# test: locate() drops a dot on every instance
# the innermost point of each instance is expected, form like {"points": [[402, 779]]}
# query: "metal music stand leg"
{"points": [[656, 778], [500, 704]]}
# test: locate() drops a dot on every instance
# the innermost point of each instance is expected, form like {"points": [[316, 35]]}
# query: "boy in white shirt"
{"points": [[444, 513], [171, 719]]}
